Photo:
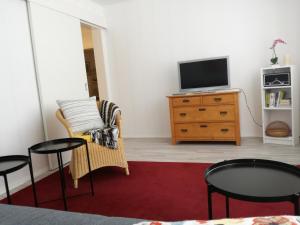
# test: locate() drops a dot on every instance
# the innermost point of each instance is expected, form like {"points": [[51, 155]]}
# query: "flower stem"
{"points": [[274, 53]]}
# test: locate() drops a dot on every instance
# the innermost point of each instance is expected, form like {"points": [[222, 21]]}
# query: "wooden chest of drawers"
{"points": [[205, 117]]}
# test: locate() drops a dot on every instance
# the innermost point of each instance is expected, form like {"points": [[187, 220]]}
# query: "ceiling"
{"points": [[108, 2]]}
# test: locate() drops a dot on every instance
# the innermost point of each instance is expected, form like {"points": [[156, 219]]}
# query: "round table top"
{"points": [[254, 179], [57, 145], [11, 163]]}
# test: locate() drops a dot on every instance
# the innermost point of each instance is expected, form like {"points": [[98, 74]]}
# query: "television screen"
{"points": [[204, 74]]}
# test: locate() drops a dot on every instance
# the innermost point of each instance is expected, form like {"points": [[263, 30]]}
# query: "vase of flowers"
{"points": [[274, 59]]}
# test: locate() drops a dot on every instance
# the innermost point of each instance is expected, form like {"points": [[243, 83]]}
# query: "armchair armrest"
{"points": [[119, 124], [64, 122]]}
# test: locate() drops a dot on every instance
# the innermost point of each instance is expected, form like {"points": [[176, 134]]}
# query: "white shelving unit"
{"points": [[288, 114]]}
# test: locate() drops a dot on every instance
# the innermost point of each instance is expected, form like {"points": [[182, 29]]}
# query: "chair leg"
{"points": [[127, 171], [75, 183]]}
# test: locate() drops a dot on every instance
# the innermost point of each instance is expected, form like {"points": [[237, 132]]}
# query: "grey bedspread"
{"points": [[20, 215]]}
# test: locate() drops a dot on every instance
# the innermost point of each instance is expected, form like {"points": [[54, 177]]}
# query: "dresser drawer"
{"points": [[193, 130], [186, 101], [223, 131], [204, 113], [186, 114], [214, 131], [218, 99], [220, 113]]}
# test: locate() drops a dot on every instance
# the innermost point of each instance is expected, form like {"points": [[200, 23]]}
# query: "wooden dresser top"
{"points": [[195, 94]]}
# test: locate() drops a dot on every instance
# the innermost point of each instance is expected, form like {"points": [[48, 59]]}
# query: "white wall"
{"points": [[148, 37], [20, 115]]}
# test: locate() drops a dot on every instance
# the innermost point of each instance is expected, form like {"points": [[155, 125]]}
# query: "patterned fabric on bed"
{"points": [[271, 220]]}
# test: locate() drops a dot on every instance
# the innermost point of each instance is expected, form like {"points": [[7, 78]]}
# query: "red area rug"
{"points": [[154, 190]]}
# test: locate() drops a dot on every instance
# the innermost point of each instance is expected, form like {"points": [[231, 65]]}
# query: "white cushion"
{"points": [[82, 114]]}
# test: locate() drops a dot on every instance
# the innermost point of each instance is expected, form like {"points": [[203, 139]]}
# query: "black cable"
{"points": [[248, 107]]}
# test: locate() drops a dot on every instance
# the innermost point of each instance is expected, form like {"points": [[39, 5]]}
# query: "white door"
{"points": [[60, 65], [98, 43], [20, 114]]}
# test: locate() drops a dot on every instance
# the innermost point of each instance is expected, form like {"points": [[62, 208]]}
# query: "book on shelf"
{"points": [[267, 99], [285, 103], [277, 99]]}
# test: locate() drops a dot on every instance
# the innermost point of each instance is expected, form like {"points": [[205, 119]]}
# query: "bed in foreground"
{"points": [[20, 215]]}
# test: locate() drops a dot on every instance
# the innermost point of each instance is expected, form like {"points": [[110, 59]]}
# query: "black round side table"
{"points": [[9, 164], [58, 146], [254, 180]]}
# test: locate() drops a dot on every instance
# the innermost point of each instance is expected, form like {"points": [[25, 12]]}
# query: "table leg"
{"points": [[62, 178], [296, 205], [89, 165], [62, 169], [32, 180], [227, 207], [7, 189], [209, 191]]}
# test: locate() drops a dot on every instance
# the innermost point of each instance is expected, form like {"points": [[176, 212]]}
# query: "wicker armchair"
{"points": [[100, 156]]}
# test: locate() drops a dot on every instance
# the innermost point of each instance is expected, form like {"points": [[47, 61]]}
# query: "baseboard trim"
{"points": [[39, 175]]}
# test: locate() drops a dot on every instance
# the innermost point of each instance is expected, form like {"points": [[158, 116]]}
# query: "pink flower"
{"points": [[277, 41], [155, 223]]}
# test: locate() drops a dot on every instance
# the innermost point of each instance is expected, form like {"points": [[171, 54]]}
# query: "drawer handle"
{"points": [[182, 114], [203, 126], [223, 113], [185, 100], [202, 109], [224, 130], [184, 130], [218, 99]]}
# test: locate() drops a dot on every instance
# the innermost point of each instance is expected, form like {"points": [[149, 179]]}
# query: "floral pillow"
{"points": [[270, 220]]}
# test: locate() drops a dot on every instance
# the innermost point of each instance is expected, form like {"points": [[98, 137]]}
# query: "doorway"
{"points": [[93, 55], [90, 61]]}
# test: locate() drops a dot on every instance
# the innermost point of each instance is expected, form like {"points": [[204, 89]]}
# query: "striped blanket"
{"points": [[108, 136]]}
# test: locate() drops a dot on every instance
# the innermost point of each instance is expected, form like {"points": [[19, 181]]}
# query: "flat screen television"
{"points": [[204, 74]]}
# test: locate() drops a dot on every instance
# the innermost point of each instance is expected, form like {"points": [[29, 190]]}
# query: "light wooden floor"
{"points": [[160, 150]]}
